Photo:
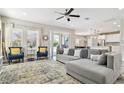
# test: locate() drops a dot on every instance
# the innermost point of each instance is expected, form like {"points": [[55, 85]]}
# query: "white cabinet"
{"points": [[113, 38], [92, 41]]}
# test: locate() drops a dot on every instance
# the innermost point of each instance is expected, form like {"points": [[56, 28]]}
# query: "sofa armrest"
{"points": [[114, 62]]}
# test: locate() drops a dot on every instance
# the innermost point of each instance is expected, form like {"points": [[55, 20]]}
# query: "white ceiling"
{"points": [[100, 18]]}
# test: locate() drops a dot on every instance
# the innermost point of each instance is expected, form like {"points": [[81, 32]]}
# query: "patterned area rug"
{"points": [[39, 72]]}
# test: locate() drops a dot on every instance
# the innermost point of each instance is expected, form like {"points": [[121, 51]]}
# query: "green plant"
{"points": [[55, 43]]}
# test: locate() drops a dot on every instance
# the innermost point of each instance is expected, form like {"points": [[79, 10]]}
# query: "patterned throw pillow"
{"points": [[15, 51], [42, 50]]}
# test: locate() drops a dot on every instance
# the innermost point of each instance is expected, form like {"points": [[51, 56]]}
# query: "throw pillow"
{"points": [[66, 51], [102, 60], [93, 51], [77, 52], [42, 50], [95, 57], [15, 51]]}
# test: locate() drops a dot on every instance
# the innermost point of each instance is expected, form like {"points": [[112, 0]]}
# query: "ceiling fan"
{"points": [[67, 14]]}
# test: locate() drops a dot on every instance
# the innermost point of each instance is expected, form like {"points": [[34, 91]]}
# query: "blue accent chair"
{"points": [[15, 56], [42, 54]]}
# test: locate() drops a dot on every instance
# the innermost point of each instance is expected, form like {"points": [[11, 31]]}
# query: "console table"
{"points": [[31, 55]]}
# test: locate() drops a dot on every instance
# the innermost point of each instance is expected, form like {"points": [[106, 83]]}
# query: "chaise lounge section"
{"points": [[88, 71]]}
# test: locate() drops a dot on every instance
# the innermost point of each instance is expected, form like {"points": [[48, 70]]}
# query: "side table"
{"points": [[31, 55]]}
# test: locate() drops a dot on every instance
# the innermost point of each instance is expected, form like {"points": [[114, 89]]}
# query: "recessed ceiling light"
{"points": [[114, 23], [24, 13]]}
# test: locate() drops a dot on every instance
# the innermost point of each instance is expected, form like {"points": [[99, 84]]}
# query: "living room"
{"points": [[32, 31]]}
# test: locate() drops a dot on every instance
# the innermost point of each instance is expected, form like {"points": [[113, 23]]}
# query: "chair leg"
{"points": [[9, 62], [22, 60]]}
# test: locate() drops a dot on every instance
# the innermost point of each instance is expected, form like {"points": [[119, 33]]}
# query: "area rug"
{"points": [[39, 72]]}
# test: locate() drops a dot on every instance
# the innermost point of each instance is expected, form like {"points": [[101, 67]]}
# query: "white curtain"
{"points": [[8, 31]]}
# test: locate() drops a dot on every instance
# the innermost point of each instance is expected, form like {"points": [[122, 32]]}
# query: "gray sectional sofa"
{"points": [[89, 71], [64, 58]]}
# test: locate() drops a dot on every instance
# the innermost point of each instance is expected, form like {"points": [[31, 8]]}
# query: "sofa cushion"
{"points": [[84, 60], [102, 60], [66, 58], [91, 71]]}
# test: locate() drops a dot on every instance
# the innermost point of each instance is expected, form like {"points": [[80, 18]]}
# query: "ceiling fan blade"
{"points": [[59, 13], [67, 13], [74, 15], [59, 17]]}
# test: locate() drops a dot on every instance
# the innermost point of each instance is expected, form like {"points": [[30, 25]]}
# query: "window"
{"points": [[32, 39], [17, 38], [32, 43]]}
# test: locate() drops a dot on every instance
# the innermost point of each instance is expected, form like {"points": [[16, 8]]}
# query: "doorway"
{"points": [[55, 43], [59, 40]]}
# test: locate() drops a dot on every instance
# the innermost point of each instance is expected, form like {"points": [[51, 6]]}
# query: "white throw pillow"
{"points": [[95, 57], [66, 51], [77, 53]]}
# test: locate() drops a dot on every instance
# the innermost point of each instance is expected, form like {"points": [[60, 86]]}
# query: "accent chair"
{"points": [[42, 52], [15, 53]]}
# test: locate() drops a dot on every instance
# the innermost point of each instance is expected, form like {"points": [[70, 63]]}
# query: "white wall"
{"points": [[122, 38], [113, 38], [42, 28], [92, 41]]}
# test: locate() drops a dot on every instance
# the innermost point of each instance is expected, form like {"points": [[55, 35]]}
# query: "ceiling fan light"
{"points": [[87, 18], [68, 19]]}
